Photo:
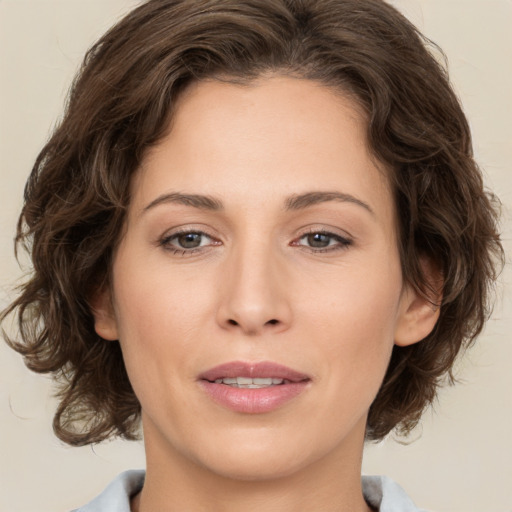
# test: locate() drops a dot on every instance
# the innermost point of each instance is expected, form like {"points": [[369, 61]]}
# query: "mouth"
{"points": [[251, 383], [253, 387]]}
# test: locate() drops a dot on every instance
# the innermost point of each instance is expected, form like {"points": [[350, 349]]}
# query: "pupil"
{"points": [[190, 240], [318, 240]]}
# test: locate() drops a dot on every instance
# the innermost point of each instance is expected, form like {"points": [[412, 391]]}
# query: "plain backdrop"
{"points": [[459, 460]]}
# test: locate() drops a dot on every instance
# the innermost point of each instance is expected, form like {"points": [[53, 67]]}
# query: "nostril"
{"points": [[234, 323]]}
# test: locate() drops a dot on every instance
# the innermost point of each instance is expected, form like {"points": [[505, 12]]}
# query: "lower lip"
{"points": [[253, 401]]}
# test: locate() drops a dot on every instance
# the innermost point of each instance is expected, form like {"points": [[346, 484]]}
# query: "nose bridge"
{"points": [[253, 294]]}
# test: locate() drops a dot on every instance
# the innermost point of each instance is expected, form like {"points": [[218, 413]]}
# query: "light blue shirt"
{"points": [[380, 492]]}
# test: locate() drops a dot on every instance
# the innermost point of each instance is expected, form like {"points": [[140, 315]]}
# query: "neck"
{"points": [[175, 482]]}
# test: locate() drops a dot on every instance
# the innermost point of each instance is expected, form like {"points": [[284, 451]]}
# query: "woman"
{"points": [[259, 228]]}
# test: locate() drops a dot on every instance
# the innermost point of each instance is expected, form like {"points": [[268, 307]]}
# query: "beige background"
{"points": [[460, 460]]}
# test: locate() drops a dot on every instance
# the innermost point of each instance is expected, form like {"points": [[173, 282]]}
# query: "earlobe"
{"points": [[419, 312], [102, 310]]}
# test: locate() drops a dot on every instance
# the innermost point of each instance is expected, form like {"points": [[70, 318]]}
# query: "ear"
{"points": [[102, 310], [419, 313]]}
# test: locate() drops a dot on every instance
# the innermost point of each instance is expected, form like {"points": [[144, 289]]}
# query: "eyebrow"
{"points": [[293, 203], [301, 201], [199, 201]]}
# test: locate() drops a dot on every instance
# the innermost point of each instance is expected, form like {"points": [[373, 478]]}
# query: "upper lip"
{"points": [[262, 369]]}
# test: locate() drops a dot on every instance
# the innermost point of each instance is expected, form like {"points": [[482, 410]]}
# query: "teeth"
{"points": [[264, 382], [249, 383]]}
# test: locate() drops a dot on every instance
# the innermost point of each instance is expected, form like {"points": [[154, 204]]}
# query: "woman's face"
{"points": [[260, 243]]}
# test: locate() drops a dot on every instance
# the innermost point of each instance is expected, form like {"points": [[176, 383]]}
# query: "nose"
{"points": [[254, 292]]}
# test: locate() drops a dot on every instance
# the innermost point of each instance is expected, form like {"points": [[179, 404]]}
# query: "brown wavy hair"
{"points": [[121, 103]]}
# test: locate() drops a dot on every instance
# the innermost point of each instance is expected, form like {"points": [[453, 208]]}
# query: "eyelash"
{"points": [[165, 242], [342, 242]]}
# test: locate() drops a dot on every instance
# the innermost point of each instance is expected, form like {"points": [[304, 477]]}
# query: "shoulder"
{"points": [[382, 493], [116, 497]]}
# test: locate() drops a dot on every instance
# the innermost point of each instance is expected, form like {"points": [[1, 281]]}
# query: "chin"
{"points": [[266, 456], [257, 468]]}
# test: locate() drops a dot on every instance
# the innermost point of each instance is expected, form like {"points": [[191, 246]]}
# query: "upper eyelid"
{"points": [[188, 232], [170, 233], [325, 233], [330, 231], [173, 236]]}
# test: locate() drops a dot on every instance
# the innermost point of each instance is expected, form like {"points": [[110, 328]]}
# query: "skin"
{"points": [[259, 287]]}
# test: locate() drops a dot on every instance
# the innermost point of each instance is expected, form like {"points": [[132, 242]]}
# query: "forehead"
{"points": [[275, 136]]}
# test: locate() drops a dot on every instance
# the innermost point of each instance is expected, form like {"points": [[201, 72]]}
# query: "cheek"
{"points": [[165, 321], [158, 319], [356, 300], [152, 299], [352, 317]]}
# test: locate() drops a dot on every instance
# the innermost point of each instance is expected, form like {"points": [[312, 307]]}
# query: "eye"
{"points": [[186, 241], [190, 240], [320, 241]]}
